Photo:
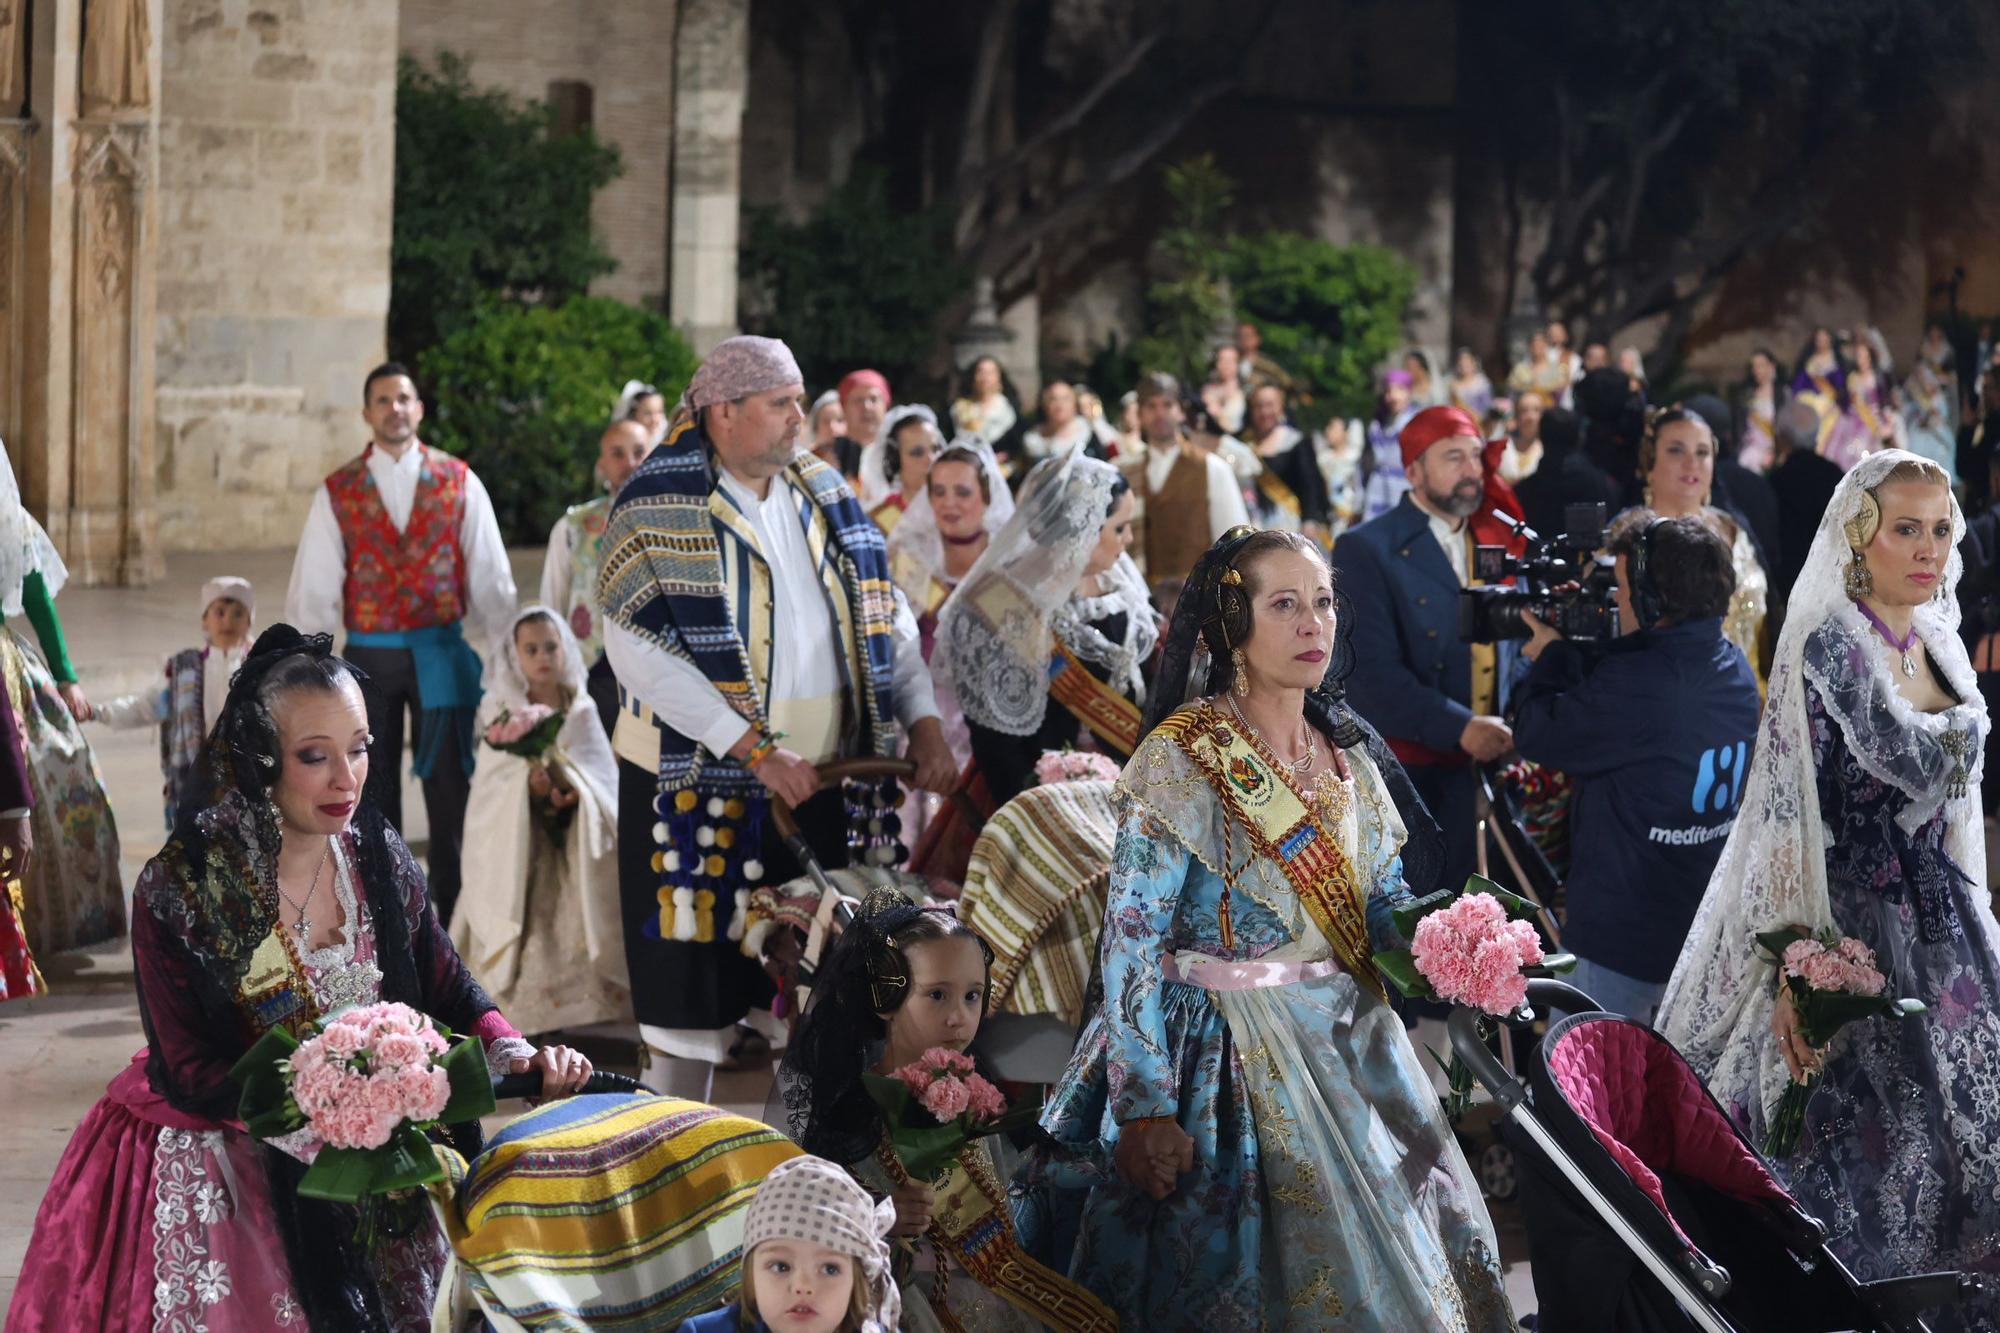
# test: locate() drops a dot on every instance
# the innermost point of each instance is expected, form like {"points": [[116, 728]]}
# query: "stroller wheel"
{"points": [[1496, 1172]]}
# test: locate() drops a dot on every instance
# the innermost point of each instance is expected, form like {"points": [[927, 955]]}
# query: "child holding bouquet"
{"points": [[901, 993], [537, 918]]}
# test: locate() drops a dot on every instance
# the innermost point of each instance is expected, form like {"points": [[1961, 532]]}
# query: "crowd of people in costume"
{"points": [[1254, 623]]}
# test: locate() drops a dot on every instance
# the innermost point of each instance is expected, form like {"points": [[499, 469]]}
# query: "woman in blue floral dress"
{"points": [[1262, 1149], [1862, 816]]}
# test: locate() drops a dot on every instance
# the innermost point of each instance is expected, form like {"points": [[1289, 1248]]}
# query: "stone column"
{"points": [[711, 79], [83, 306]]}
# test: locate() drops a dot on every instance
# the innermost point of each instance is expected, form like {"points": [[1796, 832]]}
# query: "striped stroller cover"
{"points": [[1035, 891], [607, 1211]]}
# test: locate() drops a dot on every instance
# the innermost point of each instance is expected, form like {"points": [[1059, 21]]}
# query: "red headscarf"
{"points": [[1433, 424], [855, 379]]}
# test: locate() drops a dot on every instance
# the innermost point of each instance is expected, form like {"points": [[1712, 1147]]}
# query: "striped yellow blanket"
{"points": [[1035, 891], [607, 1212]]}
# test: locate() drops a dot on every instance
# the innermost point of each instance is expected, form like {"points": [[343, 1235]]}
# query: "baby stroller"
{"points": [[1647, 1211], [612, 1209]]}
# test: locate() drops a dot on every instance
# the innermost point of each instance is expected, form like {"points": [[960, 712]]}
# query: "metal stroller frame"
{"points": [[1694, 1281]]}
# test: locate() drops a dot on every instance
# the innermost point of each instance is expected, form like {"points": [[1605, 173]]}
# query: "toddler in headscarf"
{"points": [[814, 1258]]}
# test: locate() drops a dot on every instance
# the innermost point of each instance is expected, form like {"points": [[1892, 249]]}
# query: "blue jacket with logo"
{"points": [[1656, 730]]}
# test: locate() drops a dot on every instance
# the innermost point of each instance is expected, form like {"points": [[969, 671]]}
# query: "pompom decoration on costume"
{"points": [[1833, 981]]}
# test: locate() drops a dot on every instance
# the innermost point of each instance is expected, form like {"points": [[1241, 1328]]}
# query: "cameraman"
{"points": [[1656, 729]]}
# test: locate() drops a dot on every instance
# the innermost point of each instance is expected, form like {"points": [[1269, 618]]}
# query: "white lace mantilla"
{"points": [[995, 634], [1772, 871]]}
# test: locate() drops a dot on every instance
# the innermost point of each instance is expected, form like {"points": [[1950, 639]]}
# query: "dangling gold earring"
{"points": [[1859, 581], [1240, 686]]}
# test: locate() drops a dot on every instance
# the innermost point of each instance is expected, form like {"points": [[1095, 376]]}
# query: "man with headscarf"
{"points": [[1435, 698], [401, 547], [732, 560], [864, 401]]}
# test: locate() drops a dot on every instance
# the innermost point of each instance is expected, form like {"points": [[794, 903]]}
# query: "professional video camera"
{"points": [[1562, 581]]}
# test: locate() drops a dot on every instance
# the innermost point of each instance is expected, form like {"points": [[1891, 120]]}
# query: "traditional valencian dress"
{"points": [[1239, 1001], [164, 1213], [538, 920], [569, 586], [1861, 816], [1291, 491], [73, 893]]}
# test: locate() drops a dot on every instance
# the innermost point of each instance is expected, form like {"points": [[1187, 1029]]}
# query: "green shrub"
{"points": [[858, 283], [522, 394], [1188, 307], [489, 204], [1330, 314]]}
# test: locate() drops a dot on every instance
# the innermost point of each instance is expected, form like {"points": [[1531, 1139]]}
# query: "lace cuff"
{"points": [[501, 1052], [301, 1144]]}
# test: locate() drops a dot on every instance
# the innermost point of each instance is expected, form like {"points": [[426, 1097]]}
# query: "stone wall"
{"points": [[277, 139], [624, 50]]}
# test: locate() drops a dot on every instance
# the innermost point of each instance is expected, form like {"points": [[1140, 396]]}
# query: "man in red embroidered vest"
{"points": [[401, 548]]}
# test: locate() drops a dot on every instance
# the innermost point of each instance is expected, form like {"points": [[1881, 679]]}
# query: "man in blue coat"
{"points": [[1434, 698]]}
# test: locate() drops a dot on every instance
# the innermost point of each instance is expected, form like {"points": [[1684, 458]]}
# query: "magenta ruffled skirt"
{"points": [[154, 1214]]}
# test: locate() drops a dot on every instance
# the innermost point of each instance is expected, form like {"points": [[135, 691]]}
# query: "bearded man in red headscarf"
{"points": [[1435, 698]]}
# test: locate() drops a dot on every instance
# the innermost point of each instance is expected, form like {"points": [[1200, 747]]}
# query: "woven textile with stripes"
{"points": [[608, 1212], [1035, 891]]}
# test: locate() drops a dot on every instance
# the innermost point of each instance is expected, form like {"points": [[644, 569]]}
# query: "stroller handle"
{"points": [[871, 766], [528, 1084]]}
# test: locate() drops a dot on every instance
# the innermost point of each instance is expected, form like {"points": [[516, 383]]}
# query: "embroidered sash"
{"points": [[1109, 715], [1275, 490], [972, 1222], [1284, 828]]}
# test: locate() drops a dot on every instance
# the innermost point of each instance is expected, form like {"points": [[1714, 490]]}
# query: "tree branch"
{"points": [[999, 248], [1071, 117]]}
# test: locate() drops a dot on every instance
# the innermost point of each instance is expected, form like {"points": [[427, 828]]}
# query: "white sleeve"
{"points": [[489, 579], [916, 696], [148, 708], [319, 569], [683, 699], [556, 570], [1225, 499]]}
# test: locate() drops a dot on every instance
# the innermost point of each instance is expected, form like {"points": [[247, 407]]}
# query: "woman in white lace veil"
{"points": [[541, 879], [1046, 640], [1861, 815], [918, 559], [893, 470]]}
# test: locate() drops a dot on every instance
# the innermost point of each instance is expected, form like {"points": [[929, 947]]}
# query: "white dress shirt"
{"points": [[1451, 535], [1225, 493], [802, 630], [312, 602]]}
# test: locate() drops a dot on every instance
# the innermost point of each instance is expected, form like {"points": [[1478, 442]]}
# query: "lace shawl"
{"points": [[1772, 871], [24, 547]]}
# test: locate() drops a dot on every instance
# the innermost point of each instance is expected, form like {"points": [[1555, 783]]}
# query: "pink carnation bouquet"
{"points": [[935, 1105], [1477, 948], [1075, 766], [366, 1084], [1833, 980], [529, 731]]}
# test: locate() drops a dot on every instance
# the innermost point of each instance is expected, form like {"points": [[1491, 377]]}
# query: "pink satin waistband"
{"points": [[1252, 975]]}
